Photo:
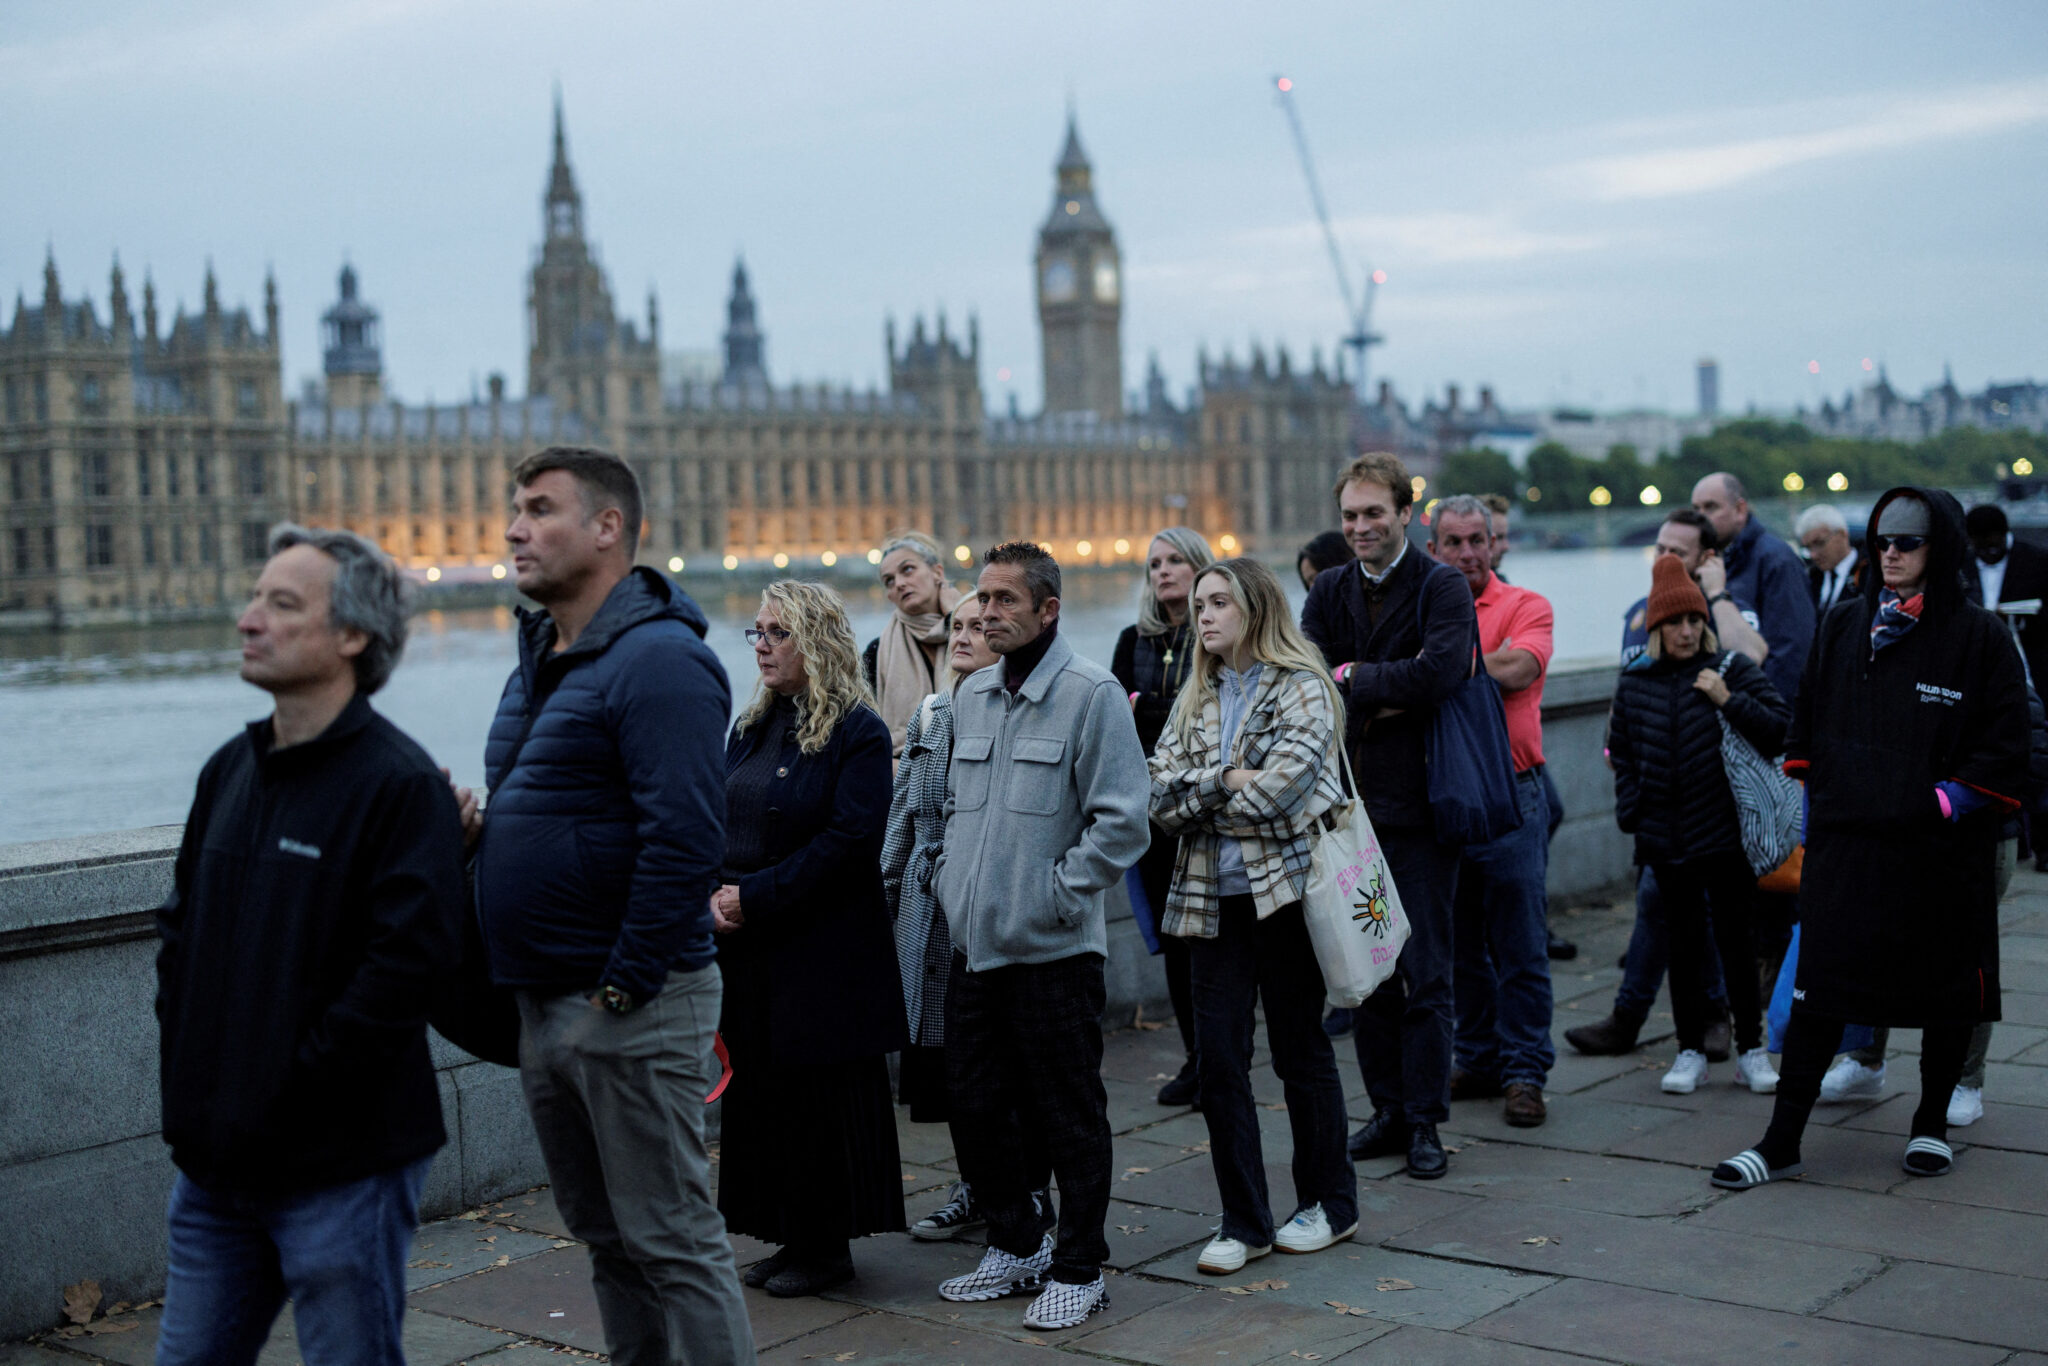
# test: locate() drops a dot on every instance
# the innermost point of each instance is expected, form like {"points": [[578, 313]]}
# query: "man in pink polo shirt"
{"points": [[1501, 977]]}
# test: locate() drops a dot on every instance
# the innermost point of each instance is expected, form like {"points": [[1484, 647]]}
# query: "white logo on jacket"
{"points": [[1948, 697], [292, 846]]}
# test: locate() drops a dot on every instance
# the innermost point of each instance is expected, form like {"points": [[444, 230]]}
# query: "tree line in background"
{"points": [[1769, 457]]}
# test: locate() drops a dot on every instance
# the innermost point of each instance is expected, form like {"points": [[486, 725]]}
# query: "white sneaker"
{"points": [[1849, 1079], [1965, 1107], [1061, 1305], [1753, 1069], [1309, 1231], [1687, 1073], [1225, 1255], [999, 1274]]}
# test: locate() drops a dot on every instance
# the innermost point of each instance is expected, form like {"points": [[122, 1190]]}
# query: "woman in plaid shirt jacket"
{"points": [[1242, 776]]}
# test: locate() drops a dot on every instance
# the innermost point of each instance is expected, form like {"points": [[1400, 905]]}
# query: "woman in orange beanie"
{"points": [[1671, 792]]}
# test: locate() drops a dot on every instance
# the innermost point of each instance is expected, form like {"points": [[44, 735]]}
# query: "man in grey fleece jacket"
{"points": [[1046, 810]]}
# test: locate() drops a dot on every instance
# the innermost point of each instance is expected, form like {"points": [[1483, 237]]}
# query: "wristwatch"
{"points": [[617, 1000], [1719, 597]]}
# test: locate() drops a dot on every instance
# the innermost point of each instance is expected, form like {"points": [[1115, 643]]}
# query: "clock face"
{"points": [[1057, 283], [1105, 279]]}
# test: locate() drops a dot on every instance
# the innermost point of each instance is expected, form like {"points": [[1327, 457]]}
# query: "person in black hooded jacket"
{"points": [[1910, 730], [1671, 792]]}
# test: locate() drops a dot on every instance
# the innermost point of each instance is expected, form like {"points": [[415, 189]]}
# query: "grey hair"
{"points": [[369, 595], [927, 549], [1194, 548], [1466, 505], [1819, 515], [1041, 571]]}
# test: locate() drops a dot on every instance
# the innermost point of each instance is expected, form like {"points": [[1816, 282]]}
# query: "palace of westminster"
{"points": [[141, 470]]}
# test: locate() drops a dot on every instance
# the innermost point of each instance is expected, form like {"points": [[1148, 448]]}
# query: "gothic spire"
{"points": [[564, 204]]}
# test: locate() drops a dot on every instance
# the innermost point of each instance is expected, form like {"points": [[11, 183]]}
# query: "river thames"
{"points": [[107, 729]]}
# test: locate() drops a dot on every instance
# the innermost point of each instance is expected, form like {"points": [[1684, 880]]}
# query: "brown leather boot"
{"points": [[1525, 1108], [1607, 1038]]}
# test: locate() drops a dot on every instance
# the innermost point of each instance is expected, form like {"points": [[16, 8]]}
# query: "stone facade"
{"points": [[138, 473]]}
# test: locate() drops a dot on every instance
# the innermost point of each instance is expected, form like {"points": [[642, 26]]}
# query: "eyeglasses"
{"points": [[774, 634], [1905, 545]]}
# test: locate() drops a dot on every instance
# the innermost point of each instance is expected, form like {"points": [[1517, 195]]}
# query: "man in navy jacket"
{"points": [[1399, 632], [594, 870], [1765, 572]]}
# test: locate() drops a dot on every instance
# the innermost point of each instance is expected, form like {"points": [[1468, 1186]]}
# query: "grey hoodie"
{"points": [[1046, 808]]}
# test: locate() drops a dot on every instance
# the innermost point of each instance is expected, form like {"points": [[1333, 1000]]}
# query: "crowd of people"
{"points": [[916, 849]]}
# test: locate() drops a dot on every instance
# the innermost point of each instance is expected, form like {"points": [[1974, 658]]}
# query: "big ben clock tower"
{"points": [[1080, 295]]}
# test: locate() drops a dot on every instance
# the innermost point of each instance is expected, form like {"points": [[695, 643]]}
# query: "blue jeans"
{"points": [[1502, 948], [1252, 960], [1649, 954], [338, 1253]]}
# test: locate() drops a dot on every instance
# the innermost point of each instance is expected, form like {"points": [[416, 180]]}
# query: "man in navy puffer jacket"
{"points": [[594, 869]]}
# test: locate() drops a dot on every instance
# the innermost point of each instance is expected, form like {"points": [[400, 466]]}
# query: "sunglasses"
{"points": [[1905, 545]]}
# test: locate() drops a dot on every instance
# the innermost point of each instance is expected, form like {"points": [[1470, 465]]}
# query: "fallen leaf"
{"points": [[491, 1239], [1449, 1149], [502, 1261], [1162, 1076], [1130, 1228], [1235, 1290], [909, 1177], [120, 1308], [1278, 1105], [81, 1300], [70, 1330], [844, 1356], [1394, 1283], [1267, 1285], [1565, 1179], [563, 1242], [424, 1265], [1540, 1239], [1339, 1306], [113, 1326], [473, 1214], [1034, 1341]]}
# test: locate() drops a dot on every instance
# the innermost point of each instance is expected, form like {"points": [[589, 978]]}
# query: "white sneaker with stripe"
{"points": [[1748, 1169]]}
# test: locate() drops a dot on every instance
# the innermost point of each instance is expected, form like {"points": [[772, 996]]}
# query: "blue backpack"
{"points": [[1471, 769]]}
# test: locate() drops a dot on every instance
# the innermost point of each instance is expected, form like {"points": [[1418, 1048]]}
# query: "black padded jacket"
{"points": [[1670, 789]]}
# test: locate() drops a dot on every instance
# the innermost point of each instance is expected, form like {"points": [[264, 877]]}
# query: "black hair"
{"points": [[1326, 551], [1709, 538], [1986, 519]]}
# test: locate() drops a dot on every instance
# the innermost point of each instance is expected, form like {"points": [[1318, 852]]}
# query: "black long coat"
{"points": [[1670, 788], [816, 949], [1899, 906]]}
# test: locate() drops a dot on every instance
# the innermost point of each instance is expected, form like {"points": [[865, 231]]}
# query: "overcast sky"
{"points": [[1572, 202]]}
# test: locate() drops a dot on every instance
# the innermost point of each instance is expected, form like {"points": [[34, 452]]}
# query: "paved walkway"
{"points": [[1595, 1236]]}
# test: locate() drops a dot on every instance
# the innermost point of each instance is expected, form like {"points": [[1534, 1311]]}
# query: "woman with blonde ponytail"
{"points": [[1241, 777]]}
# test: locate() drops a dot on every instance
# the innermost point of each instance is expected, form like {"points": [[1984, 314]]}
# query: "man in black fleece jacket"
{"points": [[314, 907]]}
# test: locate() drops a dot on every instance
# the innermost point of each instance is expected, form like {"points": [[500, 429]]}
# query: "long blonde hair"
{"points": [[815, 618], [1193, 548], [1270, 631]]}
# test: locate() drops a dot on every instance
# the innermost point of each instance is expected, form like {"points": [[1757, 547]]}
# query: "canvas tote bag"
{"points": [[1353, 912]]}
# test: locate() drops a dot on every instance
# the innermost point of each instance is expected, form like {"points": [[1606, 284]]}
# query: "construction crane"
{"points": [[1361, 339]]}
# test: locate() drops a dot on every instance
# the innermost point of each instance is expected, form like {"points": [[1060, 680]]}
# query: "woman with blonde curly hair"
{"points": [[813, 1003]]}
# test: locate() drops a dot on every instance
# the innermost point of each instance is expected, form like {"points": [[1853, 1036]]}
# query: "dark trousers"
{"points": [[1726, 879], [1155, 875], [1502, 948], [1403, 1030], [1649, 953], [1811, 1043], [1271, 961], [1024, 1053]]}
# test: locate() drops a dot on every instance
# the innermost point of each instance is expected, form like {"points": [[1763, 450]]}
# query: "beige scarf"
{"points": [[907, 664]]}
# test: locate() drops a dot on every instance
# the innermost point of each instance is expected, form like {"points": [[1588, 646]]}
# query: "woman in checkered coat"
{"points": [[1241, 776]]}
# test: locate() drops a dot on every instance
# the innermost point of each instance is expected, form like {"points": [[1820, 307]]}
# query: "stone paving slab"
{"points": [[534, 1211], [2008, 1041], [548, 1296], [1214, 1329], [2021, 1128], [1412, 1346], [1439, 1294], [1886, 1226], [1645, 1328], [1586, 1124], [1833, 1157], [2024, 1007], [1613, 1185], [1992, 1178], [1139, 1233], [890, 1340], [429, 1340], [451, 1248], [1950, 1302], [1575, 1072], [26, 1354], [1652, 1254]]}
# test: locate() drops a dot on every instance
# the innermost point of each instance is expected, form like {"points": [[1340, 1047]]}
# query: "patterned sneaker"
{"points": [[957, 1215], [1849, 1079], [999, 1274], [1310, 1231], [1753, 1069], [1687, 1073], [1061, 1305], [1224, 1255]]}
